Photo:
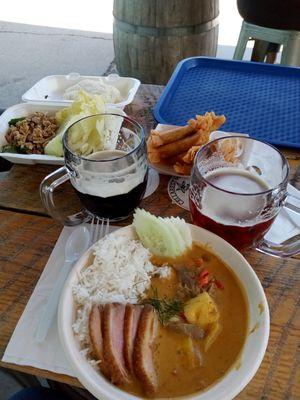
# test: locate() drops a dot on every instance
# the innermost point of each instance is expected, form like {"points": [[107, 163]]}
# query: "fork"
{"points": [[99, 228]]}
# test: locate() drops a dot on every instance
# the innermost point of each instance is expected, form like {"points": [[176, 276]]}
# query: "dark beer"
{"points": [[114, 207], [117, 198]]}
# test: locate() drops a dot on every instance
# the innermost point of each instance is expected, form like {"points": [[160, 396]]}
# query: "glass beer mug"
{"points": [[238, 187], [110, 183]]}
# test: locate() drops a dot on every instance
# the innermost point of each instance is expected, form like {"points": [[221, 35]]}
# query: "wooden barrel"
{"points": [[151, 36]]}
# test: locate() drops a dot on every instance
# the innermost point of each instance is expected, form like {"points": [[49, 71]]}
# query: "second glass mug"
{"points": [[238, 187], [109, 184]]}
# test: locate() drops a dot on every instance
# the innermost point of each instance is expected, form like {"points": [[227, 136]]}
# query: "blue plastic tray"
{"points": [[262, 100]]}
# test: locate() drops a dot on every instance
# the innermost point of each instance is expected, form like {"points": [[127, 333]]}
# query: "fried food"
{"points": [[178, 147], [230, 148], [208, 121], [190, 155], [174, 148], [171, 135], [182, 169]]}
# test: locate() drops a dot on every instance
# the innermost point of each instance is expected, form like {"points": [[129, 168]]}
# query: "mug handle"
{"points": [[290, 246], [47, 188]]}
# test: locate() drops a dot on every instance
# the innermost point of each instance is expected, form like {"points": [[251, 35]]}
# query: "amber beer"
{"points": [[239, 214]]}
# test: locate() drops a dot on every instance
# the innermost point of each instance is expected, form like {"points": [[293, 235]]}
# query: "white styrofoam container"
{"points": [[23, 110], [50, 89]]}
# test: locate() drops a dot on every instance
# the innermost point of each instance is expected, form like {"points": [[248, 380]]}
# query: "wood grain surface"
{"points": [[27, 237], [151, 37]]}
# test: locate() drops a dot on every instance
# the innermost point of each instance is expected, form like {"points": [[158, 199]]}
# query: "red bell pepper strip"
{"points": [[219, 284], [204, 277]]}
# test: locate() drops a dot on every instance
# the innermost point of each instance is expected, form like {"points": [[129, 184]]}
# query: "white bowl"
{"points": [[23, 110], [233, 382]]}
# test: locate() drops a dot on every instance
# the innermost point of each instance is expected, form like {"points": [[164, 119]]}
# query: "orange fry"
{"points": [[175, 148], [218, 122], [208, 122], [191, 154], [153, 154], [177, 158], [203, 137], [182, 169], [171, 135], [230, 149], [179, 146]]}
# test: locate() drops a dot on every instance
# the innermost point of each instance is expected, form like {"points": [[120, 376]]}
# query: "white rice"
{"points": [[109, 93], [121, 272]]}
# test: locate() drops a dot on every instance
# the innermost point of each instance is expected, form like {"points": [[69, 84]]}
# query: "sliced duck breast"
{"points": [[113, 342], [131, 321], [95, 331], [142, 354]]}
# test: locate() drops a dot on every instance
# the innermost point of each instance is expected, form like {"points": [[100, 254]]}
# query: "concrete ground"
{"points": [[28, 53]]}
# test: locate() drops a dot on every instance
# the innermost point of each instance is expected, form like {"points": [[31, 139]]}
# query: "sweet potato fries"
{"points": [[178, 147]]}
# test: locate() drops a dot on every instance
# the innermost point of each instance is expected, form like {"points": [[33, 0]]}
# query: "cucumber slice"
{"points": [[176, 233], [155, 234], [55, 147], [184, 230]]}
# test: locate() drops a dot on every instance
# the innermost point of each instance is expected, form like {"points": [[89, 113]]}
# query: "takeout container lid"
{"points": [[23, 110], [50, 89]]}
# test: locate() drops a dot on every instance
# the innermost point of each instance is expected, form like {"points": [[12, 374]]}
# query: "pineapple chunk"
{"points": [[201, 310], [213, 332], [188, 350]]}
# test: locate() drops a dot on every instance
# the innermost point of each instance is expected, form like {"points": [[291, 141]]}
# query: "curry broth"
{"points": [[177, 376]]}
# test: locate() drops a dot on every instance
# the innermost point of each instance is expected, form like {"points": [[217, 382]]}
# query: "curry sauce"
{"points": [[183, 365]]}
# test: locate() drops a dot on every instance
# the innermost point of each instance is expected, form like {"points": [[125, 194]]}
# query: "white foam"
{"points": [[234, 209], [106, 183]]}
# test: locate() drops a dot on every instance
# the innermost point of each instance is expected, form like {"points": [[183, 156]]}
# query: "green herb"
{"points": [[14, 149], [165, 308], [13, 122], [9, 149]]}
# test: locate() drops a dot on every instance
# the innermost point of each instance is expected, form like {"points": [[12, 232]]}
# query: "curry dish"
{"points": [[186, 334]]}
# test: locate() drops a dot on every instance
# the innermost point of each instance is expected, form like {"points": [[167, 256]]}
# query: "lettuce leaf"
{"points": [[85, 138]]}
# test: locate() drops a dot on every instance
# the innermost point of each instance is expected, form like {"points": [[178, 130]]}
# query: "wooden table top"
{"points": [[27, 237]]}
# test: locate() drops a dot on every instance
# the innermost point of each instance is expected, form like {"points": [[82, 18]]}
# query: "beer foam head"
{"points": [[107, 181], [226, 203]]}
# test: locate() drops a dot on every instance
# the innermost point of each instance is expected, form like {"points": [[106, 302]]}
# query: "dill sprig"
{"points": [[165, 308]]}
